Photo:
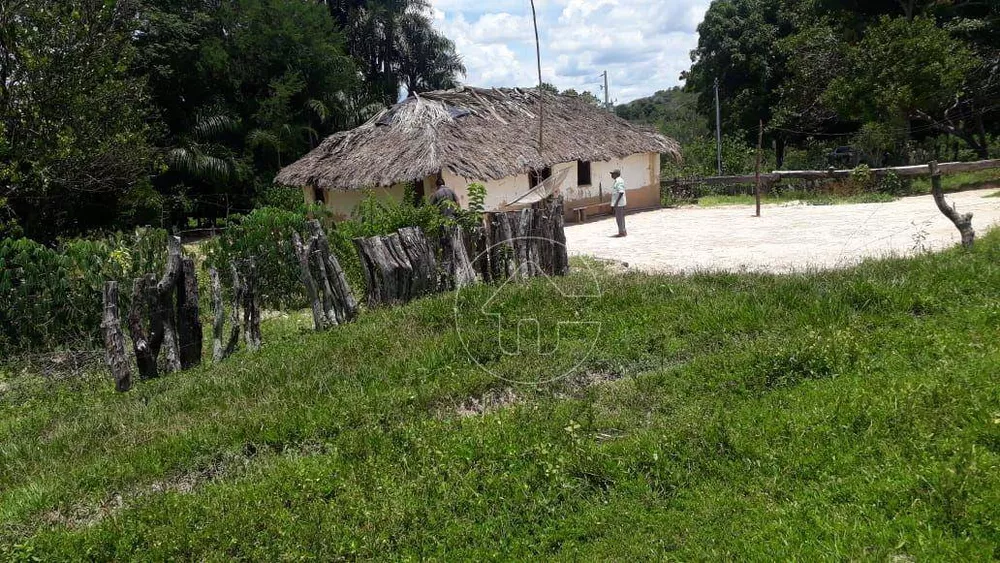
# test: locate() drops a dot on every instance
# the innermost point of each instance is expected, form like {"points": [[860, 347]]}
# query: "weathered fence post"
{"points": [[421, 257], [455, 262], [303, 252], [234, 329], [218, 316], [251, 307], [962, 222], [114, 339], [164, 291], [189, 330], [142, 306], [345, 306]]}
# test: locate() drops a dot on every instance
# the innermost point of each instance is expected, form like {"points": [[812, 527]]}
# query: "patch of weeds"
{"points": [[815, 356]]}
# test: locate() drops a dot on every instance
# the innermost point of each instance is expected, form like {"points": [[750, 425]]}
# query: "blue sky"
{"points": [[643, 44]]}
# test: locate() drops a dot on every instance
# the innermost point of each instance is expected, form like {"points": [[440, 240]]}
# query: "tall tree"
{"points": [[244, 87], [396, 46], [73, 122], [737, 46]]}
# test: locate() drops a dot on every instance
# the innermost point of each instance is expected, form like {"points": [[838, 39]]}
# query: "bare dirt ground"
{"points": [[786, 238]]}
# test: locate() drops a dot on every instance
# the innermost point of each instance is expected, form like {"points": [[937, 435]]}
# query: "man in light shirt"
{"points": [[618, 201]]}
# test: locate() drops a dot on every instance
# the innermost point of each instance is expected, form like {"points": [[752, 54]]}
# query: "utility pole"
{"points": [[760, 145], [607, 102], [718, 127], [541, 101]]}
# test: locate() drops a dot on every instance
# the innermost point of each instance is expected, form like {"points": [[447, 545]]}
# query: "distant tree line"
{"points": [[116, 113], [889, 77]]}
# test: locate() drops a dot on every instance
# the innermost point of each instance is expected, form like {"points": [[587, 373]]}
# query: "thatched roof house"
{"points": [[478, 135]]}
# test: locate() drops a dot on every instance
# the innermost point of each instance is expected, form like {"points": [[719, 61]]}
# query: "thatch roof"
{"points": [[481, 134]]}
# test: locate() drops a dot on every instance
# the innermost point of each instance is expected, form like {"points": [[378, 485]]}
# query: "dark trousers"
{"points": [[620, 219]]}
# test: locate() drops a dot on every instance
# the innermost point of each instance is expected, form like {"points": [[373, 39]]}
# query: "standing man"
{"points": [[445, 199], [618, 201]]}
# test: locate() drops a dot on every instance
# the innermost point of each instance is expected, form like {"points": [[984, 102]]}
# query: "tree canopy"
{"points": [[122, 112]]}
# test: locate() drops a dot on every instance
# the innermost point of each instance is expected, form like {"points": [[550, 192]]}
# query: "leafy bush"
{"points": [[52, 297], [891, 184], [265, 234]]}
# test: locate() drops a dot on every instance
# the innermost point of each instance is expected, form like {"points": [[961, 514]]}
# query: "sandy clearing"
{"points": [[786, 238]]}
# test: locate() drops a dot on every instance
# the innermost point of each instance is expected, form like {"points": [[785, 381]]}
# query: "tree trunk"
{"points": [[114, 340], [218, 317], [234, 329], [457, 267], [345, 306], [189, 329], [304, 251], [421, 256], [962, 222], [779, 152], [145, 357], [165, 303], [560, 260], [251, 307], [385, 274]]}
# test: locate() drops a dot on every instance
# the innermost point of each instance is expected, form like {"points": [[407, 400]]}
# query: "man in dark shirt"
{"points": [[445, 194]]}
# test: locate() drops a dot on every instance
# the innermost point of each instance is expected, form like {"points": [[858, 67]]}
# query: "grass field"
{"points": [[949, 183], [810, 198], [840, 415], [962, 181]]}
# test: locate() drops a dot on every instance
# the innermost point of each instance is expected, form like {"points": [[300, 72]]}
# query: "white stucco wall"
{"points": [[638, 170], [342, 204]]}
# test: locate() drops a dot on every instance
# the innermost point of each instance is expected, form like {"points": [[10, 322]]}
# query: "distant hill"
{"points": [[674, 112]]}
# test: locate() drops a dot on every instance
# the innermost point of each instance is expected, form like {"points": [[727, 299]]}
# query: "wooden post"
{"points": [[114, 340], [345, 306], [421, 256], [219, 316], [234, 329], [251, 307], [145, 356], [189, 330], [165, 304], [386, 275], [760, 143], [962, 222], [304, 251], [458, 268]]}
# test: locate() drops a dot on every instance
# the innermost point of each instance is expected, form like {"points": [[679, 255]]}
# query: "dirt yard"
{"points": [[786, 238]]}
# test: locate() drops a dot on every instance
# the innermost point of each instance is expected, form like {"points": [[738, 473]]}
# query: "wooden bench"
{"points": [[581, 212]]}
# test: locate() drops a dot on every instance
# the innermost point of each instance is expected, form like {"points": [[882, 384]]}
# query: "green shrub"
{"points": [[52, 297], [265, 234]]}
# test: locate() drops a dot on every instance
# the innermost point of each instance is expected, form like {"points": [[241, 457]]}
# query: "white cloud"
{"points": [[643, 44]]}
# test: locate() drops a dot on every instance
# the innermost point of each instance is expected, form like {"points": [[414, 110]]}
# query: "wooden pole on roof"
{"points": [[538, 55]]}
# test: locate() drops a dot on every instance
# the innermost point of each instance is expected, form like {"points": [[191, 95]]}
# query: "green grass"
{"points": [[961, 181], [810, 198], [834, 416]]}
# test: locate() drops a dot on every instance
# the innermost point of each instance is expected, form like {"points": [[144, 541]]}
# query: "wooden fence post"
{"points": [[114, 339], [457, 267], [304, 252], [962, 222], [760, 142], [344, 305], [165, 304], [141, 308], [189, 329], [218, 316], [421, 256], [234, 329], [251, 307]]}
